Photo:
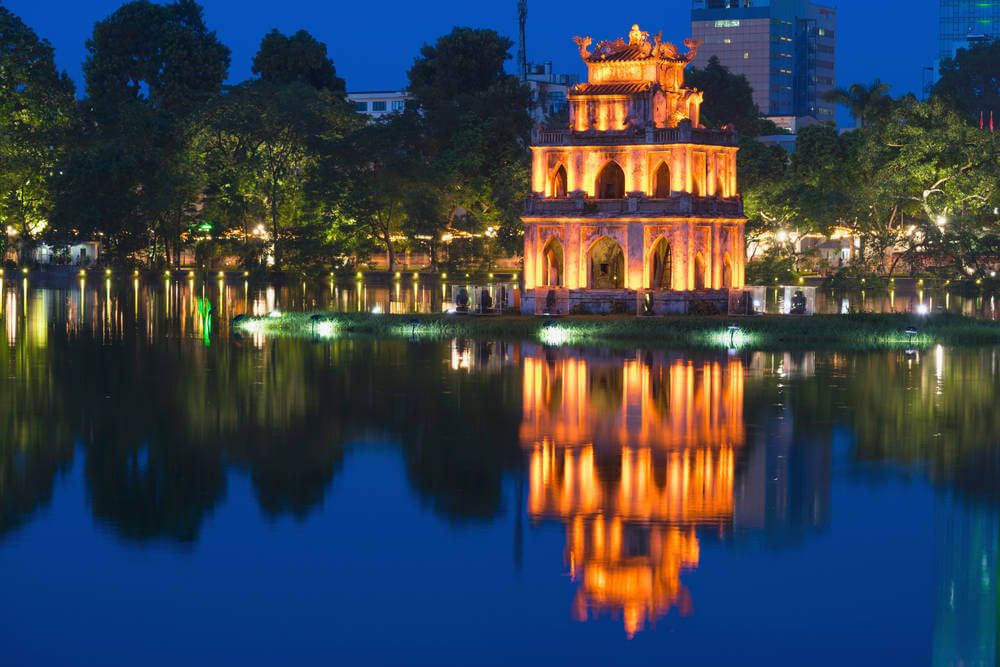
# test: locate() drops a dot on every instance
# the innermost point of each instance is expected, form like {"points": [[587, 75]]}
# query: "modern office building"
{"points": [[377, 103], [785, 48], [965, 22]]}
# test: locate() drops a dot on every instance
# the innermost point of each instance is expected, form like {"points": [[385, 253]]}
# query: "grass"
{"points": [[860, 331]]}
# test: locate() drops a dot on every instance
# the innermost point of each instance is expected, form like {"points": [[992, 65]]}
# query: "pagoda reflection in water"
{"points": [[633, 454]]}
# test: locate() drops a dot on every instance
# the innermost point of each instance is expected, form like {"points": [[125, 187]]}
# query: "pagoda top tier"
{"points": [[633, 85], [638, 60]]}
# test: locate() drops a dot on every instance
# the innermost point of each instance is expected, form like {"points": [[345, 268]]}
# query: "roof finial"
{"points": [[636, 36]]}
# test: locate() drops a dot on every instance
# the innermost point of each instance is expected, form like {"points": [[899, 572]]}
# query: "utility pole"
{"points": [[522, 55], [926, 81]]}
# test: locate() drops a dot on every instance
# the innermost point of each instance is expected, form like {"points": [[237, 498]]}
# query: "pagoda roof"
{"points": [[627, 52], [638, 47], [613, 88]]}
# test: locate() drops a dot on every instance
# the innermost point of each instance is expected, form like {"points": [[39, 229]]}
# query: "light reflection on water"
{"points": [[108, 307], [609, 506]]}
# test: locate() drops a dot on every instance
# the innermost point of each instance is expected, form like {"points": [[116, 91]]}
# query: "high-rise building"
{"points": [[965, 22], [785, 48]]}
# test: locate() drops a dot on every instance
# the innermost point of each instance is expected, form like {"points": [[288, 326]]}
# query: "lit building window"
{"points": [[746, 55]]}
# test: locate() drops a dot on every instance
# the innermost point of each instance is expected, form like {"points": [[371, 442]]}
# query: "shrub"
{"points": [[703, 307]]}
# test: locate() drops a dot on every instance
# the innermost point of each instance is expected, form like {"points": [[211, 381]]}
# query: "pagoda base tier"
{"points": [[562, 301]]}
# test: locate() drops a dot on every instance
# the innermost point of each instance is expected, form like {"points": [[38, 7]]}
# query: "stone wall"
{"points": [[624, 301]]}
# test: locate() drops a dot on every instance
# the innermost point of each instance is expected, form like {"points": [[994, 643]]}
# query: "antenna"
{"points": [[522, 56]]}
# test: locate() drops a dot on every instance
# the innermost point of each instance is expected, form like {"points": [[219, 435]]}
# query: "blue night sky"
{"points": [[374, 43]]}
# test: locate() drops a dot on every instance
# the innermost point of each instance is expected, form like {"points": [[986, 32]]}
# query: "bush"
{"points": [[771, 265], [703, 307]]}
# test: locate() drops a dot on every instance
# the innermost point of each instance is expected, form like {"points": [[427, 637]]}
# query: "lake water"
{"points": [[170, 495]]}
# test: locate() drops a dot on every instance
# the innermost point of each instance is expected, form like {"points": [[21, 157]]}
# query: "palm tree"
{"points": [[862, 101]]}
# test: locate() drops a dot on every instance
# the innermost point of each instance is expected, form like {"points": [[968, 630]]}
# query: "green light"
{"points": [[554, 334], [732, 338]]}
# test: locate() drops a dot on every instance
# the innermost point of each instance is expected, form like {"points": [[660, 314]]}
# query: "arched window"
{"points": [[558, 186], [661, 181], [699, 271], [660, 265], [727, 271], [610, 182], [606, 263], [552, 263]]}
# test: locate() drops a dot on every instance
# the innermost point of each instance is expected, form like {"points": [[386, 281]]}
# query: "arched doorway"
{"points": [[699, 271], [606, 265], [552, 263], [661, 181], [660, 267], [558, 182], [610, 182], [727, 271]]}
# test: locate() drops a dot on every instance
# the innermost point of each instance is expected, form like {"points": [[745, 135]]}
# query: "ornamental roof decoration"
{"points": [[638, 47]]}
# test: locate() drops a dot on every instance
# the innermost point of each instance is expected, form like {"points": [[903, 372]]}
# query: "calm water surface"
{"points": [[170, 495]]}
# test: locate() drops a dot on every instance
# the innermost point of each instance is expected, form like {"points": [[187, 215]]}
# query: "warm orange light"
{"points": [[634, 111], [674, 428]]}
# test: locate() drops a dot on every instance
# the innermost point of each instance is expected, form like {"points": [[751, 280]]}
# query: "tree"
{"points": [[864, 102], [269, 136], [150, 71], [475, 133], [299, 58], [728, 100], [274, 131], [761, 171], [382, 177], [787, 197], [922, 165], [464, 62], [971, 81], [36, 111]]}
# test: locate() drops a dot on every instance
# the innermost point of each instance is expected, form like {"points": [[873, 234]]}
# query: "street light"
{"points": [[733, 330]]}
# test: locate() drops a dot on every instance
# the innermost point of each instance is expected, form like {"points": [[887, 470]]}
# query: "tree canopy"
{"points": [[299, 58], [970, 81], [728, 99], [36, 111], [476, 126], [133, 175]]}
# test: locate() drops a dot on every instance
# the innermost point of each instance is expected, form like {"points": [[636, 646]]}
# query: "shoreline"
{"points": [[764, 332]]}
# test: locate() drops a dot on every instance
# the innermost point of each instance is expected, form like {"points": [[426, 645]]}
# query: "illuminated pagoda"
{"points": [[634, 206]]}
